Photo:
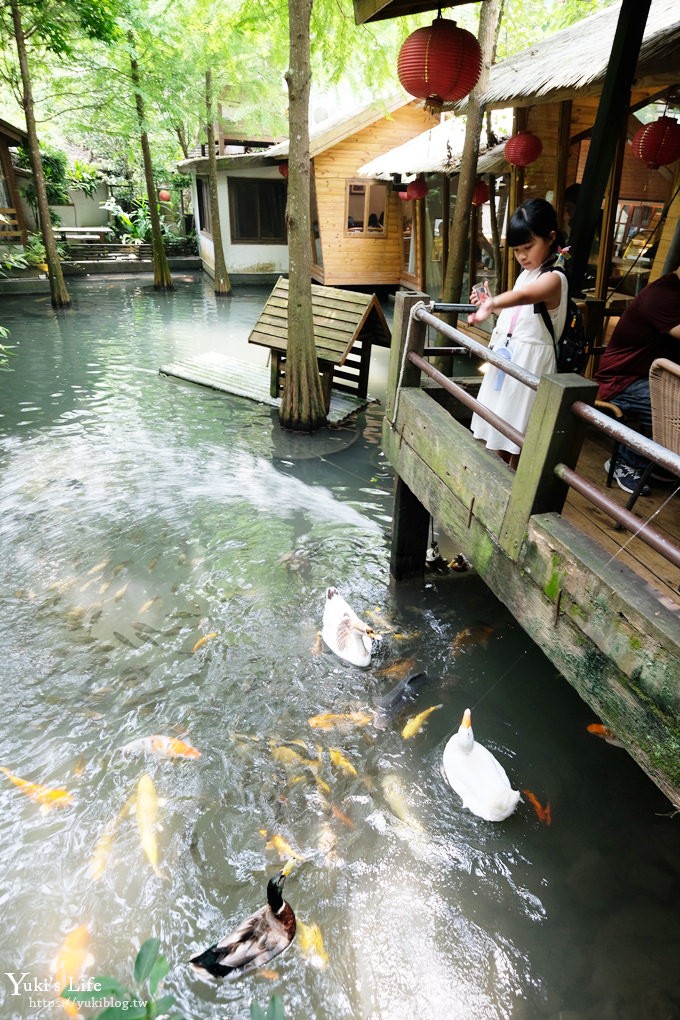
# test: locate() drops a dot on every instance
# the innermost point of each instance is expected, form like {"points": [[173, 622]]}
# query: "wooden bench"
{"points": [[346, 325], [83, 233]]}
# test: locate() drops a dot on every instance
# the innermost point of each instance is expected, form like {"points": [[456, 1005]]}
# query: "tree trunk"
{"points": [[489, 22], [59, 293], [302, 405], [162, 280], [221, 282]]}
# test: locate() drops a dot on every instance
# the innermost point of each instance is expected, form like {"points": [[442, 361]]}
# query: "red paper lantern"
{"points": [[417, 189], [480, 195], [164, 195], [658, 144], [440, 64], [523, 148], [283, 169]]}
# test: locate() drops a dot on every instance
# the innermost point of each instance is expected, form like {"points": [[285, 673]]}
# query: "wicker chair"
{"points": [[664, 392]]}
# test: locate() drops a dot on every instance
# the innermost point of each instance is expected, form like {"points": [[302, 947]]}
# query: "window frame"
{"points": [[236, 187], [353, 189]]}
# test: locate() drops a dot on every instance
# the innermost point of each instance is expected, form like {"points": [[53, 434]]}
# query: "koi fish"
{"points": [[397, 669], [341, 816], [146, 813], [310, 941], [392, 702], [102, 851], [287, 756], [394, 795], [341, 762], [328, 720], [267, 974], [98, 567], [204, 640], [416, 722], [148, 604], [47, 796], [121, 591], [164, 747], [72, 959], [282, 846], [470, 636], [542, 813], [600, 730]]}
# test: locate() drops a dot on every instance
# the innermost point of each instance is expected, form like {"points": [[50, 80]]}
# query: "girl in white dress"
{"points": [[520, 331]]}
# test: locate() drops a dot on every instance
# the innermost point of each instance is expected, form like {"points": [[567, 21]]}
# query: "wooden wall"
{"points": [[355, 259]]}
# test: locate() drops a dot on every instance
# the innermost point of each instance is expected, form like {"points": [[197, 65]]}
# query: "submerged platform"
{"points": [[245, 379]]}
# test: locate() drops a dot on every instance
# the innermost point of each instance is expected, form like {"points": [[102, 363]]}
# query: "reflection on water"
{"points": [[137, 516]]}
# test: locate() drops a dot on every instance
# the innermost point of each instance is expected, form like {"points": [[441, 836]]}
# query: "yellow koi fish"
{"points": [[396, 800], [164, 747], [470, 636], [146, 813], [282, 847], [416, 722], [102, 851], [310, 941], [72, 959], [341, 762], [204, 640], [328, 720], [47, 796], [287, 756], [148, 604]]}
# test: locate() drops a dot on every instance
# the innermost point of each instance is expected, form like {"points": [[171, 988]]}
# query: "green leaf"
{"points": [[275, 1011], [165, 1003], [146, 957], [256, 1012], [123, 1012], [157, 973]]}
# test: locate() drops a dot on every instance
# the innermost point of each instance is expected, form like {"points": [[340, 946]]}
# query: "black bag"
{"points": [[572, 350]]}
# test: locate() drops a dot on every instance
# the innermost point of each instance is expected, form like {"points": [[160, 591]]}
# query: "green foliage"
{"points": [[57, 25], [13, 257], [141, 1004], [133, 227], [55, 169], [4, 351], [275, 1010], [84, 177], [34, 250]]}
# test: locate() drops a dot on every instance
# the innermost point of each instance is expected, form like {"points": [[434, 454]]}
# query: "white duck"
{"points": [[345, 634], [478, 779]]}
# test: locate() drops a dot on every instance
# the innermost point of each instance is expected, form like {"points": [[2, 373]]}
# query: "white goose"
{"points": [[345, 634], [478, 779]]}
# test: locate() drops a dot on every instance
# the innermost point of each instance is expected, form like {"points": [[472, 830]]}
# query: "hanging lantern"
{"points": [[164, 195], [657, 144], [283, 169], [523, 148], [440, 64], [417, 189], [480, 195]]}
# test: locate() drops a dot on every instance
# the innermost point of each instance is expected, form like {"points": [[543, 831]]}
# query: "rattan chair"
{"points": [[664, 393]]}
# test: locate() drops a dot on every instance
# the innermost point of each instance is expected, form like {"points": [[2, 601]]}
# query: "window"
{"points": [[203, 198], [366, 208], [257, 209]]}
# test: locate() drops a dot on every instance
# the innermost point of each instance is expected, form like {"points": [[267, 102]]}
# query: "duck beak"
{"points": [[288, 867], [467, 719]]}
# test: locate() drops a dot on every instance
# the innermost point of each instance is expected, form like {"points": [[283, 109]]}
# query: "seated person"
{"points": [[648, 329]]}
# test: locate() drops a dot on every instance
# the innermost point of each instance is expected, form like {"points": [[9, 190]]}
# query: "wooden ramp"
{"points": [[346, 325], [243, 379]]}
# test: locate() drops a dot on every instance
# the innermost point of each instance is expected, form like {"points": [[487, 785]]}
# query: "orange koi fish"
{"points": [[164, 747], [48, 796], [470, 636], [600, 730], [341, 816], [542, 813], [204, 640], [72, 959]]}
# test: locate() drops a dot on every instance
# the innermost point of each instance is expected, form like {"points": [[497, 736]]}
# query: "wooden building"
{"points": [[12, 223], [357, 223]]}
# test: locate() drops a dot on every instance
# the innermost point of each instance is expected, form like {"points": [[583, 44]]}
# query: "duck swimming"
{"points": [[345, 634], [256, 941], [478, 779]]}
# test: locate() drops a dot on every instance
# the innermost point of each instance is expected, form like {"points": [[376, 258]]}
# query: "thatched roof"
{"points": [[577, 57], [437, 151]]}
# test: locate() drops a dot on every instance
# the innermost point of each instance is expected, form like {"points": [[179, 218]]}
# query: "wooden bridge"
{"points": [[612, 634]]}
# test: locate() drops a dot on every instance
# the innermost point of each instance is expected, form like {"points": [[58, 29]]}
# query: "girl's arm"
{"points": [[546, 288]]}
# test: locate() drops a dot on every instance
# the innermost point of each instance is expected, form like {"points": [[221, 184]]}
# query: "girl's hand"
{"points": [[480, 292], [483, 312]]}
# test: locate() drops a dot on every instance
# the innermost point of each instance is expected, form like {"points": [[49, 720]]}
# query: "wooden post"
{"points": [[610, 123], [563, 139], [403, 303], [410, 526], [553, 436]]}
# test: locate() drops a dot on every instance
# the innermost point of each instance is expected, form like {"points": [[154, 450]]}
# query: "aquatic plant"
{"points": [[123, 1004], [275, 1010]]}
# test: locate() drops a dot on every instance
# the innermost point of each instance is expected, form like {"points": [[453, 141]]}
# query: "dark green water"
{"points": [[138, 515]]}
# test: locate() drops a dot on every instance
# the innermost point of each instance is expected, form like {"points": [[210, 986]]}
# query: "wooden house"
{"points": [[357, 223], [12, 223]]}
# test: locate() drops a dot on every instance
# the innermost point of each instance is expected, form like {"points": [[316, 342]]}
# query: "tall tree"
{"points": [[221, 282], [302, 403], [51, 26]]}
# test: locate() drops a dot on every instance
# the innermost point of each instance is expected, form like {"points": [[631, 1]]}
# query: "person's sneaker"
{"points": [[627, 478]]}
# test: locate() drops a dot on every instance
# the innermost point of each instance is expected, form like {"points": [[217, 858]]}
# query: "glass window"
{"points": [[366, 209], [203, 198], [257, 210]]}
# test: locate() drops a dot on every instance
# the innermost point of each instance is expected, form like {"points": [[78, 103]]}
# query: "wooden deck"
{"points": [[662, 505]]}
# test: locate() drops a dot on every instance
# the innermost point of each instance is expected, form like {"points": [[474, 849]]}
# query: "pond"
{"points": [[165, 556]]}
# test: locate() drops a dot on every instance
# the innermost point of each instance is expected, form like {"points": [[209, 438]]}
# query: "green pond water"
{"points": [[138, 515]]}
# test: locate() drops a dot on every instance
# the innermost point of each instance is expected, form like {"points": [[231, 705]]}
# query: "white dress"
{"points": [[531, 347]]}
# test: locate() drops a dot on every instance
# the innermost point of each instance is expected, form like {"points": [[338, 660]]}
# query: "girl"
{"points": [[520, 331]]}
